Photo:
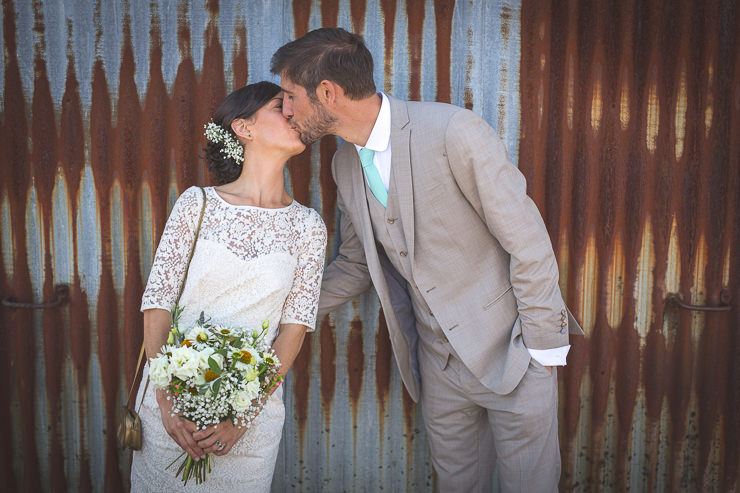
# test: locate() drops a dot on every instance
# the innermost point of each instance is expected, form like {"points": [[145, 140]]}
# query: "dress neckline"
{"points": [[238, 206]]}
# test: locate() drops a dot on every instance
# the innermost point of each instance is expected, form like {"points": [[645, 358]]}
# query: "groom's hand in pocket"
{"points": [[181, 430]]}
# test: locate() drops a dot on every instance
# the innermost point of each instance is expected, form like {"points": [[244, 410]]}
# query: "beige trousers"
{"points": [[471, 430]]}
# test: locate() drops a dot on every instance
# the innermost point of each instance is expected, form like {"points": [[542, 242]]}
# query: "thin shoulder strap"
{"points": [[179, 294], [192, 247]]}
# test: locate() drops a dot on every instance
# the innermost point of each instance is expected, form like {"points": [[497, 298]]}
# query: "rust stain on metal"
{"points": [[301, 17], [13, 137], [326, 181], [330, 13], [126, 145], [327, 364], [184, 128], [388, 11], [301, 387], [409, 411], [533, 138], [357, 12], [239, 63], [415, 12], [443, 13], [383, 362], [355, 368]]}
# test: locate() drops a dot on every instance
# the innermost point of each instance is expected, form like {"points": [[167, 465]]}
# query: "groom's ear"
{"points": [[327, 92]]}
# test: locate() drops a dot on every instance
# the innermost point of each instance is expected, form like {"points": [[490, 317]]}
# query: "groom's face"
{"points": [[309, 116]]}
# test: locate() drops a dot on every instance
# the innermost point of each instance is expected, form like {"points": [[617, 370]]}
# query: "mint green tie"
{"points": [[373, 176]]}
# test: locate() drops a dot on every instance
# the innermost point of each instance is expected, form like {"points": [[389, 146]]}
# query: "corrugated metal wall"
{"points": [[631, 145], [625, 119]]}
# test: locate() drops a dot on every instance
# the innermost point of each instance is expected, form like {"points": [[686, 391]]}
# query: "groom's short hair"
{"points": [[327, 54]]}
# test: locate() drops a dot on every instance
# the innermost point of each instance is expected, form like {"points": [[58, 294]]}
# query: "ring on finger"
{"points": [[220, 446]]}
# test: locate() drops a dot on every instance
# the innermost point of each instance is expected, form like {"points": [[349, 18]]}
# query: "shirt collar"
{"points": [[380, 137]]}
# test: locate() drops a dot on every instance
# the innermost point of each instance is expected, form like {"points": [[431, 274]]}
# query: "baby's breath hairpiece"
{"points": [[231, 147]]}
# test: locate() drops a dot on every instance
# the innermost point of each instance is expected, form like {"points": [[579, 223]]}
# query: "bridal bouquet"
{"points": [[214, 373]]}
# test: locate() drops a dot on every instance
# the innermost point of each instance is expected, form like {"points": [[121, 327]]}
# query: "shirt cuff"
{"points": [[550, 357]]}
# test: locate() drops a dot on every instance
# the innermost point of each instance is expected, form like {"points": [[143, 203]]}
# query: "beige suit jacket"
{"points": [[478, 247]]}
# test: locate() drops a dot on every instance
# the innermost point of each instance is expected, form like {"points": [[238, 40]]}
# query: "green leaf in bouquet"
{"points": [[216, 386], [237, 344], [201, 319], [213, 366]]}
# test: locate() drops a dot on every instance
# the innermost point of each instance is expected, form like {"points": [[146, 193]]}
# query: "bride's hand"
{"points": [[218, 439], [181, 430]]}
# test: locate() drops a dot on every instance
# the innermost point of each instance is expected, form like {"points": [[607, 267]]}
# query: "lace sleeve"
{"points": [[171, 258], [302, 302]]}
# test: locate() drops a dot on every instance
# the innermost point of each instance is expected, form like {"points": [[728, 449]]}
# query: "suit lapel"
{"points": [[401, 169]]}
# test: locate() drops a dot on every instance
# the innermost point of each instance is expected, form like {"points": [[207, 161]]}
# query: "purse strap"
{"points": [[179, 294]]}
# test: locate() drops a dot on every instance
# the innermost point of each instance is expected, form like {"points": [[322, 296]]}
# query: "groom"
{"points": [[435, 216]]}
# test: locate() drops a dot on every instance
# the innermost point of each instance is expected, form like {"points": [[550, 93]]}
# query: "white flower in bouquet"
{"points": [[184, 363], [242, 401], [158, 371], [251, 374], [253, 388]]}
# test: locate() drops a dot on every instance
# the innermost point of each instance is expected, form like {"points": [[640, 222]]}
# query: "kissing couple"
{"points": [[432, 214]]}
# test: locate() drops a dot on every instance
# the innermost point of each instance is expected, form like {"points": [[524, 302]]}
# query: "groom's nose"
{"points": [[287, 108]]}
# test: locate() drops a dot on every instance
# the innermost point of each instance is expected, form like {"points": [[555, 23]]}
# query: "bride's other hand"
{"points": [[218, 439], [181, 430]]}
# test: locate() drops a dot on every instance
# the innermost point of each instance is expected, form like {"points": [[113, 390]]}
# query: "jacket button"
{"points": [[563, 331], [403, 254], [390, 220]]}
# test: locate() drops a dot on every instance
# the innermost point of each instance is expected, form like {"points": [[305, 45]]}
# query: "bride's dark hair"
{"points": [[242, 103]]}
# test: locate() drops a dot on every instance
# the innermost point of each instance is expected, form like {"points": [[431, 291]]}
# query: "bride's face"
{"points": [[272, 130]]}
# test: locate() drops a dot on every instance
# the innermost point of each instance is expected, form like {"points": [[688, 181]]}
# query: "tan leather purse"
{"points": [[129, 424]]}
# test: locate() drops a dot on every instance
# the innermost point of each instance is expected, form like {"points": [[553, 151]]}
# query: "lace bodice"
{"points": [[250, 263]]}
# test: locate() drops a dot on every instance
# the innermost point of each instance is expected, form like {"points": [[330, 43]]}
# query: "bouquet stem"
{"points": [[190, 469]]}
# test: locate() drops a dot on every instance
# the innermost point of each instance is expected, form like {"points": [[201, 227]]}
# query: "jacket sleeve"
{"points": [[347, 276], [498, 192]]}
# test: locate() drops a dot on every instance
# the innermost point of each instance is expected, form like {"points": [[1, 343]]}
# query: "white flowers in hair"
{"points": [[231, 147]]}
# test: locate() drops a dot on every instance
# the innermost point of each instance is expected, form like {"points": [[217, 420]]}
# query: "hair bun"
{"points": [[222, 166]]}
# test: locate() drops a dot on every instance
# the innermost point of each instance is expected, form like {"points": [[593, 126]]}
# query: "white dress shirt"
{"points": [[380, 142]]}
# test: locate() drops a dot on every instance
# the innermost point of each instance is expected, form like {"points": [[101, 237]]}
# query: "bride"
{"points": [[259, 255]]}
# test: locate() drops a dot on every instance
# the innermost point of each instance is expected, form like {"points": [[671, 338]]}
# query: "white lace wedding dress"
{"points": [[250, 264]]}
